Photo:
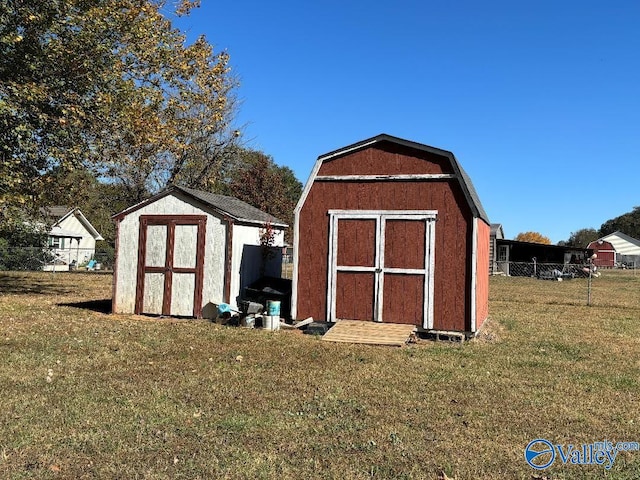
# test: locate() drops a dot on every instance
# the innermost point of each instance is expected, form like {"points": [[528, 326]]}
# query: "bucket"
{"points": [[271, 323], [249, 321], [273, 308]]}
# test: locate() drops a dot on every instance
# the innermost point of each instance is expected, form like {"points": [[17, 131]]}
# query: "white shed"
{"points": [[182, 251]]}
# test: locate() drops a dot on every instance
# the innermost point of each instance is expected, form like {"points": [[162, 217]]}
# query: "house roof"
{"points": [[226, 205], [58, 213], [465, 182], [55, 211], [566, 248], [497, 228], [622, 243]]}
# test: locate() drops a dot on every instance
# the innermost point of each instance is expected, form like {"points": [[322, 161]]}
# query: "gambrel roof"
{"points": [[465, 182]]}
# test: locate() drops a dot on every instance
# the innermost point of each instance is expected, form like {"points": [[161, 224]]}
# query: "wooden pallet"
{"points": [[373, 333]]}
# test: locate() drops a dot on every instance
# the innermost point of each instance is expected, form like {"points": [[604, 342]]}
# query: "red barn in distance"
{"points": [[606, 253], [616, 249], [391, 230]]}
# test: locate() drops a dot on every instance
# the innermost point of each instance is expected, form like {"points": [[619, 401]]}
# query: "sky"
{"points": [[538, 100]]}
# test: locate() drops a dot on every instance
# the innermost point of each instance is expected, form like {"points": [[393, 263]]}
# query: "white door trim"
{"points": [[474, 268]]}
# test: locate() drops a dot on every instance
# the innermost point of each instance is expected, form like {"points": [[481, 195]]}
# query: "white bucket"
{"points": [[271, 322]]}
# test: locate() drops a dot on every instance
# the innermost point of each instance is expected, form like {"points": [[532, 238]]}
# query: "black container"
{"points": [[271, 288], [318, 328]]}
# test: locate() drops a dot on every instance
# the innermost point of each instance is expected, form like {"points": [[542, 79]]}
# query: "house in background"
{"points": [[515, 258], [616, 249], [72, 238], [496, 233], [390, 230], [183, 251]]}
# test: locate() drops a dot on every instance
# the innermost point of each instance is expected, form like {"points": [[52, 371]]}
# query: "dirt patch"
{"points": [[490, 332]]}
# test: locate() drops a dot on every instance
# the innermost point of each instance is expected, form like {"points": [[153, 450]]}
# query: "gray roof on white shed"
{"points": [[223, 204], [232, 206]]}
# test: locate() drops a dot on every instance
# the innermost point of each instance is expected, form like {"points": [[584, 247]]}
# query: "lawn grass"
{"points": [[87, 394]]}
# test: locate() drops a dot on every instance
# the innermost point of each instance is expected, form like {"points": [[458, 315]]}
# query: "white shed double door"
{"points": [[170, 265], [381, 266]]}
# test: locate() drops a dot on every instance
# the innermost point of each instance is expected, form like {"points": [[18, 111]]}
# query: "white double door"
{"points": [[381, 266]]}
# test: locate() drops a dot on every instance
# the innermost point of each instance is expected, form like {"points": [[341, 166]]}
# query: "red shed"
{"points": [[605, 251], [390, 230]]}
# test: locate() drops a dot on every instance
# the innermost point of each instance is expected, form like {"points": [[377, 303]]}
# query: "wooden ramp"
{"points": [[374, 333]]}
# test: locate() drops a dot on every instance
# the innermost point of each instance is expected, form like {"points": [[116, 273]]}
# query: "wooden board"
{"points": [[374, 333]]}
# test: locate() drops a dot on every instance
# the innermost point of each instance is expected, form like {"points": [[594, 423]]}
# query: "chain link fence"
{"points": [[55, 259], [582, 283], [547, 271]]}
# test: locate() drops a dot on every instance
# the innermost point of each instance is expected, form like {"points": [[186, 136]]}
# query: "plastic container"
{"points": [[273, 308], [249, 321]]}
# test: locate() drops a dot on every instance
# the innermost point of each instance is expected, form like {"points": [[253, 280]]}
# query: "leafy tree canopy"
{"points": [[97, 200], [628, 223], [109, 85], [533, 237], [583, 237], [256, 179]]}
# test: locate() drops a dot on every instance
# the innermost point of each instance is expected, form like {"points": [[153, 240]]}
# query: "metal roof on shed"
{"points": [[465, 181], [226, 205], [234, 207]]}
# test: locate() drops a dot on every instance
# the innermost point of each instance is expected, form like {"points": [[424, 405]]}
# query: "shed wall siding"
{"points": [[127, 255], [452, 231], [381, 160], [482, 273]]}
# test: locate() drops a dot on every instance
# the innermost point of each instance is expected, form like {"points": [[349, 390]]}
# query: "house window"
{"points": [[502, 253], [56, 242]]}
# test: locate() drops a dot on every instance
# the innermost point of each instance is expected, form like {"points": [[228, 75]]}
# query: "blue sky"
{"points": [[538, 100]]}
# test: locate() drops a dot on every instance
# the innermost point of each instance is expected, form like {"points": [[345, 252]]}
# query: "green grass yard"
{"points": [[86, 394]]}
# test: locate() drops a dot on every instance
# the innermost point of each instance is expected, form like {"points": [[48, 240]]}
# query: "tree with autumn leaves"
{"points": [[102, 104], [112, 88], [533, 237], [255, 178]]}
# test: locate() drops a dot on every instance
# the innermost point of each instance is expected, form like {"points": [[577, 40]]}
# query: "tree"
{"points": [[97, 200], [22, 243], [628, 223], [255, 178], [533, 237], [185, 133], [582, 237], [44, 95], [109, 85]]}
